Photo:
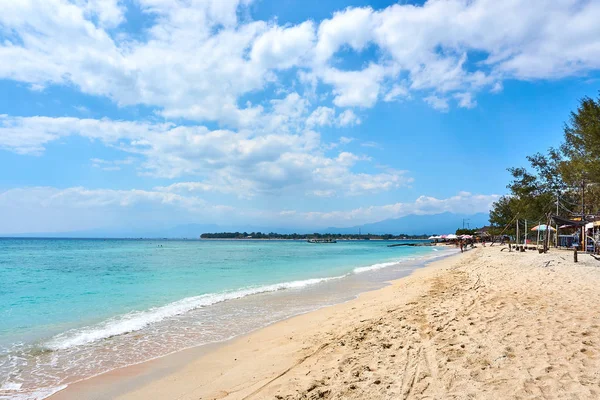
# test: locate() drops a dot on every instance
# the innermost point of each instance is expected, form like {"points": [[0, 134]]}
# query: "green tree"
{"points": [[582, 144], [567, 173], [501, 215]]}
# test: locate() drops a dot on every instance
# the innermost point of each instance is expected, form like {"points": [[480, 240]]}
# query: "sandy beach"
{"points": [[485, 324]]}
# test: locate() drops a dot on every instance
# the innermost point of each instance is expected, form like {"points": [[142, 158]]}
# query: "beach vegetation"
{"points": [[466, 231], [563, 181]]}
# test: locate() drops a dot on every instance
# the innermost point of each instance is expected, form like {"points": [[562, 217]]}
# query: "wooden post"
{"points": [[548, 231], [575, 254], [556, 236]]}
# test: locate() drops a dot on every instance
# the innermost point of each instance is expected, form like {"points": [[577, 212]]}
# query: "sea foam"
{"points": [[377, 266], [138, 320], [13, 392], [374, 267]]}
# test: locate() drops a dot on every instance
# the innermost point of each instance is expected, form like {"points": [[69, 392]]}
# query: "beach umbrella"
{"points": [[432, 237], [542, 228], [451, 236], [466, 237]]}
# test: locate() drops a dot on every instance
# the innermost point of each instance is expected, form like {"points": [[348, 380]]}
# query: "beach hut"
{"points": [[568, 240], [592, 236], [484, 233]]}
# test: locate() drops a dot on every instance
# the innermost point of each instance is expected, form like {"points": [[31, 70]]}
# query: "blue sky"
{"points": [[143, 113]]}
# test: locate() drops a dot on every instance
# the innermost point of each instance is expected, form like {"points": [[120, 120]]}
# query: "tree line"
{"points": [[567, 177], [297, 236]]}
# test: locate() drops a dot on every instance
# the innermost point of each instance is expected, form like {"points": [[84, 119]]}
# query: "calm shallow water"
{"points": [[71, 309]]}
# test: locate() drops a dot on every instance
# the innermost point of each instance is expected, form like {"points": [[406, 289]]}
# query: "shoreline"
{"points": [[117, 343], [121, 381], [482, 324]]}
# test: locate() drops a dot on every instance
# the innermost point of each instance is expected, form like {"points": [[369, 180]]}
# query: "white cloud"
{"points": [[287, 113], [350, 27], [198, 61], [371, 144], [283, 48], [355, 88], [321, 116], [395, 92], [430, 44], [325, 116], [465, 100], [207, 58], [438, 103], [82, 109], [111, 165], [109, 13], [464, 202], [348, 118], [224, 161], [49, 209], [497, 88]]}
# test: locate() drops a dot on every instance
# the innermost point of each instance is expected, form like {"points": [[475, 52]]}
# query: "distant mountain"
{"points": [[419, 224], [410, 224]]}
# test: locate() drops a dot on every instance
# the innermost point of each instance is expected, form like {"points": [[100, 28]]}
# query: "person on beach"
{"points": [[461, 247]]}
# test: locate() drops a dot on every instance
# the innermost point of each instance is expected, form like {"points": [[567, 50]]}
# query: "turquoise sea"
{"points": [[73, 308]]}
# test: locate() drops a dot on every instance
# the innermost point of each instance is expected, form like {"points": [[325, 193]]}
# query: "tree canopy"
{"points": [[562, 177]]}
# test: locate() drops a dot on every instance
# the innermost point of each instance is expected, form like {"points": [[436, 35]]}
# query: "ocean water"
{"points": [[73, 308]]}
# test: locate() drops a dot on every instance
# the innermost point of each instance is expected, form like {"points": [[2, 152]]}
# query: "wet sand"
{"points": [[483, 324]]}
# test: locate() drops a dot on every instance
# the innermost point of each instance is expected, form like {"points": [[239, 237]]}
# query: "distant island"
{"points": [[298, 236]]}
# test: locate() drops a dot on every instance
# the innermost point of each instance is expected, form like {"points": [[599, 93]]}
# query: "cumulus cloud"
{"points": [[207, 58], [109, 13], [464, 202], [348, 118], [282, 48], [322, 116], [355, 88], [351, 27], [224, 161]]}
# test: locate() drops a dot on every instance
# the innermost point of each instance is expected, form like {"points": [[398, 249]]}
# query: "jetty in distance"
{"points": [[324, 240], [411, 244]]}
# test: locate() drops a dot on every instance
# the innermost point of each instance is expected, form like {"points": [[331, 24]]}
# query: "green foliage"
{"points": [[566, 173], [465, 231], [582, 144]]}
